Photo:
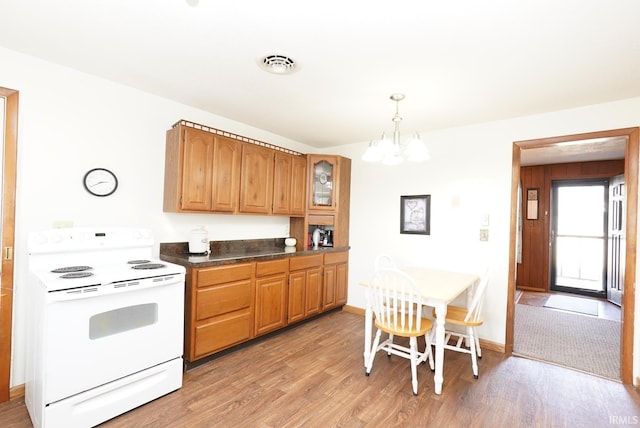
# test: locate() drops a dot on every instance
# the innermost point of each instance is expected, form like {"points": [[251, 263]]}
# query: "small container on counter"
{"points": [[199, 241]]}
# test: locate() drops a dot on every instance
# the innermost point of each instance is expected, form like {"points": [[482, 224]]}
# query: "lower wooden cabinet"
{"points": [[305, 287], [271, 295], [219, 311], [231, 304], [335, 280]]}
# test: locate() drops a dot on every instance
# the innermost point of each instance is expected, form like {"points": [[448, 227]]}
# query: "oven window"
{"points": [[122, 319]]}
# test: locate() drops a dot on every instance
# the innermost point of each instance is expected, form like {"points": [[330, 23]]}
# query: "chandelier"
{"points": [[391, 152]]}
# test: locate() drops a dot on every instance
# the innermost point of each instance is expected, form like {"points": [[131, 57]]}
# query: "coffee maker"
{"points": [[328, 238], [320, 236]]}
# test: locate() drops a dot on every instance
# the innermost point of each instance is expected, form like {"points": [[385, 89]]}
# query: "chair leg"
{"points": [[478, 349], [472, 348], [413, 344], [428, 350], [372, 354], [390, 343]]}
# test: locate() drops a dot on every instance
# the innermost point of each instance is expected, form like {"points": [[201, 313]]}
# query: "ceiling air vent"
{"points": [[278, 64]]}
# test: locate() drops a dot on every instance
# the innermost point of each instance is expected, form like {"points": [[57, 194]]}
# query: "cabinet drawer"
{"points": [[272, 267], [321, 220], [333, 258], [222, 299], [222, 333], [305, 262], [222, 274]]}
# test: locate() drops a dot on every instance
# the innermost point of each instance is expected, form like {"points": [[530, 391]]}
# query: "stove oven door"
{"points": [[95, 340]]}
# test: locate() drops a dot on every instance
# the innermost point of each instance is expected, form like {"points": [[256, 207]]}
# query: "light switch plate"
{"points": [[484, 219], [61, 224], [484, 234]]}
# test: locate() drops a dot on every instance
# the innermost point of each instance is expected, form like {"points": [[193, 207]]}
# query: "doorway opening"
{"points": [[589, 142], [579, 236], [7, 232]]}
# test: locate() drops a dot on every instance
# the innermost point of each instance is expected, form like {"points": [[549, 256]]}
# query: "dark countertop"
{"points": [[229, 252]]}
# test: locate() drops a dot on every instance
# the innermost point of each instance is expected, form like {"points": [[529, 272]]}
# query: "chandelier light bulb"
{"points": [[392, 152], [416, 150], [372, 154]]}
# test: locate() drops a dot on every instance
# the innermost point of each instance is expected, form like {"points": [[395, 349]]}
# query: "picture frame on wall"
{"points": [[415, 214], [532, 204]]}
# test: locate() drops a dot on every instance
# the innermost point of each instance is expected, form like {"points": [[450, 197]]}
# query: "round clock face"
{"points": [[100, 182]]}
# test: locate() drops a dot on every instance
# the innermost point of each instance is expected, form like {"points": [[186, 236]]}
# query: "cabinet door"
{"points": [[226, 175], [282, 183], [297, 281], [305, 294], [271, 304], [197, 170], [335, 279], [256, 179], [298, 185], [313, 292], [341, 283], [329, 280], [323, 180]]}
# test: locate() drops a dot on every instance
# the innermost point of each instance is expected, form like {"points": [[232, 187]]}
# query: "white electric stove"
{"points": [[106, 325]]}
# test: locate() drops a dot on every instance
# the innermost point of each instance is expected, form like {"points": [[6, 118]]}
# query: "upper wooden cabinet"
{"points": [[328, 205], [256, 179], [289, 184], [226, 175], [208, 172], [202, 171], [323, 177]]}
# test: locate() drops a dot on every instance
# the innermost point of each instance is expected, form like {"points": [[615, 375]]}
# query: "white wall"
{"points": [[70, 122]]}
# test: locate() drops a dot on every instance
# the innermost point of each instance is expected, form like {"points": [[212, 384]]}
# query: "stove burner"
{"points": [[148, 266], [138, 262], [74, 275], [71, 269]]}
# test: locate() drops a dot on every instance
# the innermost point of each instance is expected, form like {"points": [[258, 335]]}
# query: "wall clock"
{"points": [[100, 182]]}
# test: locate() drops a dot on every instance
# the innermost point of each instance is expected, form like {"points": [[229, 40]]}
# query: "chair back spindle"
{"points": [[395, 300]]}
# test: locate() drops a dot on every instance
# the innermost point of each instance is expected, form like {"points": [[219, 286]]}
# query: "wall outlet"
{"points": [[484, 234]]}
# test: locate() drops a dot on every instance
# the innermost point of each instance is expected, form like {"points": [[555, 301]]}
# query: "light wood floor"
{"points": [[312, 375]]}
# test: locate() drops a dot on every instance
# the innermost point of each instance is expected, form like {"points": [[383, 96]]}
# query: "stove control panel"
{"points": [[87, 239]]}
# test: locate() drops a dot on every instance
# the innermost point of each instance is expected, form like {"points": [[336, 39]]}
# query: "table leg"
{"points": [[441, 313], [368, 323]]}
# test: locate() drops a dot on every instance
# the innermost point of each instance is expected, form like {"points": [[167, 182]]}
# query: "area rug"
{"points": [[572, 304], [587, 344]]}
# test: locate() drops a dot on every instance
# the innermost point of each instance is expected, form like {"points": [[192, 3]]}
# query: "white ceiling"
{"points": [[458, 62], [576, 151]]}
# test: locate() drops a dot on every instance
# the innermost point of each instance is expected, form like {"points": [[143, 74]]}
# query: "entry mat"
{"points": [[572, 304]]}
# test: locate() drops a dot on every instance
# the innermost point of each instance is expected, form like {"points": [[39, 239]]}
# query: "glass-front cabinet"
{"points": [[323, 178], [328, 194]]}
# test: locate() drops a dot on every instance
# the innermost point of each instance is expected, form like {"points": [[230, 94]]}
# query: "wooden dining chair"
{"points": [[468, 319], [397, 308]]}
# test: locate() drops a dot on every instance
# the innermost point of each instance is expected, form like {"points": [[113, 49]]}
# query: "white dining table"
{"points": [[438, 288]]}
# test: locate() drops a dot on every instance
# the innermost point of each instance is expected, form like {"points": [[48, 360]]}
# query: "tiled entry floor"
{"points": [[606, 309]]}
